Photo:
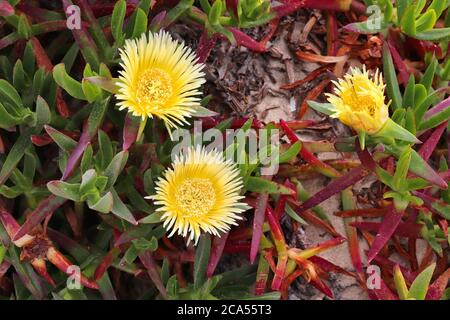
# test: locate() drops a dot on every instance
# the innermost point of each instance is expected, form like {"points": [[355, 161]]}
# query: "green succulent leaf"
{"points": [[69, 84], [419, 287]]}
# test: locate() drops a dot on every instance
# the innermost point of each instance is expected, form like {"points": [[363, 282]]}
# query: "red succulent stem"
{"points": [[232, 5], [286, 9], [130, 131], [105, 9], [366, 213], [399, 63], [423, 47], [258, 221], [348, 201], [320, 166], [64, 264], [334, 187], [382, 293], [280, 245], [106, 263], [427, 148], [430, 202], [12, 227], [281, 204], [328, 266], [43, 61], [8, 221], [331, 5], [77, 153], [217, 249], [290, 6], [6, 9], [205, 45], [406, 229], [437, 288], [288, 281], [243, 247], [262, 275], [45, 208], [389, 266], [314, 219], [322, 287], [387, 228], [437, 108], [310, 252], [40, 267], [149, 263], [245, 40]]}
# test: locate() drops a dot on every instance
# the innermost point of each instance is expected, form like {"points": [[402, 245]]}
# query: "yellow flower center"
{"points": [[195, 197], [154, 87], [359, 102]]}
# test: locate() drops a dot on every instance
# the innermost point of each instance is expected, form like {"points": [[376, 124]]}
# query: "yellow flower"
{"points": [[199, 194], [160, 77], [359, 101]]}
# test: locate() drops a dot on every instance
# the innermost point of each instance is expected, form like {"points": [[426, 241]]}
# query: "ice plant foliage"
{"points": [[200, 193], [160, 77], [67, 155], [359, 101]]}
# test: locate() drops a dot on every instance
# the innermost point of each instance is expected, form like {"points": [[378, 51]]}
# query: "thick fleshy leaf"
{"points": [[130, 130], [390, 222], [218, 244], [45, 208], [121, 210], [334, 187], [68, 83], [258, 221], [63, 141], [104, 204], [107, 84], [419, 287], [437, 288], [390, 75], [65, 190], [256, 184], [115, 167], [201, 260]]}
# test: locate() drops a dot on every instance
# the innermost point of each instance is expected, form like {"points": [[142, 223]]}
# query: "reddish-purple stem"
{"points": [[245, 40], [216, 253], [427, 148], [6, 9], [130, 131], [387, 228], [334, 187], [77, 153], [398, 61], [258, 221], [407, 229], [205, 45], [150, 264], [44, 209], [437, 108]]}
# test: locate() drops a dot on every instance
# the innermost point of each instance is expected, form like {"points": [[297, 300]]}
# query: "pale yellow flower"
{"points": [[200, 193], [359, 102], [160, 77]]}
